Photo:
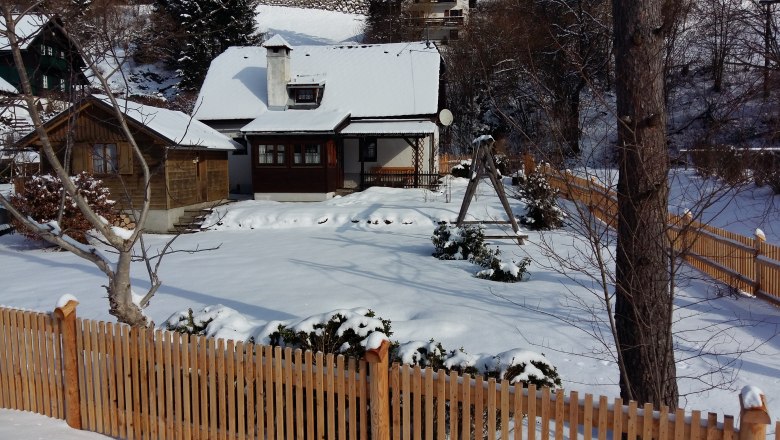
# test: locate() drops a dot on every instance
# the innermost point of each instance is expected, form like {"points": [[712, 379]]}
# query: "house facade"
{"points": [[188, 160], [317, 119], [52, 63], [439, 20]]}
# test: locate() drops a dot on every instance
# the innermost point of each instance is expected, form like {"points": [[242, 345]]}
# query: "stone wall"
{"points": [[346, 6]]}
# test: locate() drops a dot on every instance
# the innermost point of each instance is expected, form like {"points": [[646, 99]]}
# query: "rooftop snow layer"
{"points": [[379, 80], [297, 121], [178, 127], [390, 127]]}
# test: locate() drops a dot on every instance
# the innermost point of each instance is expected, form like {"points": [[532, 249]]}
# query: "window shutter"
{"points": [[81, 158], [125, 158]]}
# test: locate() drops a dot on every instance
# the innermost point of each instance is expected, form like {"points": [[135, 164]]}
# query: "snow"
{"points": [[367, 80], [65, 299], [752, 397], [286, 262], [367, 127], [297, 121], [27, 28], [309, 26], [30, 426], [7, 87], [180, 128]]}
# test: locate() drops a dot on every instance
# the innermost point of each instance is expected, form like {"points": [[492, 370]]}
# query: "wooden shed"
{"points": [[188, 160]]}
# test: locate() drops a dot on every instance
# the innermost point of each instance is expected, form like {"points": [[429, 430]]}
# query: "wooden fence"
{"points": [[749, 264], [135, 383]]}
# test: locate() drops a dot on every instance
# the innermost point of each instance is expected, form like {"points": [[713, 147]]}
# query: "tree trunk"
{"points": [[120, 294], [643, 309]]}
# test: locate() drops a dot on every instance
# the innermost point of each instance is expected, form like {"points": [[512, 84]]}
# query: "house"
{"points": [[439, 20], [52, 62], [318, 119], [187, 159]]}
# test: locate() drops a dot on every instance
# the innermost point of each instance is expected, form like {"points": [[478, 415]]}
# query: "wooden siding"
{"points": [[185, 170], [174, 180], [290, 178], [127, 189]]}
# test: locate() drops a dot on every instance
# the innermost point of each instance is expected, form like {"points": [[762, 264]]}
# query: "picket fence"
{"points": [[749, 264], [136, 383]]}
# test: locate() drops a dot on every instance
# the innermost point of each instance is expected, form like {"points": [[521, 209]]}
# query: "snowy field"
{"points": [[309, 26], [287, 261]]}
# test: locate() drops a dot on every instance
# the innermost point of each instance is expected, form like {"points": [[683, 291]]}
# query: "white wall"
{"points": [[391, 152]]}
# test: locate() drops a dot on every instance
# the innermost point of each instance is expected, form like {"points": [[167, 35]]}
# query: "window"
{"points": [[62, 54], [45, 81], [63, 85], [453, 34], [454, 13], [270, 154], [49, 51], [304, 96], [307, 154], [43, 49], [368, 149], [104, 159]]}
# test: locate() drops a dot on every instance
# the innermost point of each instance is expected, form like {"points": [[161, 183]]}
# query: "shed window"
{"points": [[104, 159]]}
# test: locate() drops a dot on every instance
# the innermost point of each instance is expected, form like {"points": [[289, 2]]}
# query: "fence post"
{"points": [[753, 416], [528, 164], [378, 370], [758, 240], [67, 316]]}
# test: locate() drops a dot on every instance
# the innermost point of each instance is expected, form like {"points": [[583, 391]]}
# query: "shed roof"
{"points": [[176, 128]]}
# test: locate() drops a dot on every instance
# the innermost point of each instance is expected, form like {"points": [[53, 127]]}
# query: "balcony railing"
{"points": [[396, 180], [437, 21]]}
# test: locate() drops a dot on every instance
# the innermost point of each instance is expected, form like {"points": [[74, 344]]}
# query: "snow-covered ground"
{"points": [[287, 261], [28, 426], [310, 26]]}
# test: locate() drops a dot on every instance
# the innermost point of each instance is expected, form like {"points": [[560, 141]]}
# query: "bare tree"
{"points": [[119, 290]]}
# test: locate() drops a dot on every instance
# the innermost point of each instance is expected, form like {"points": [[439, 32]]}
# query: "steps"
{"points": [[191, 221]]}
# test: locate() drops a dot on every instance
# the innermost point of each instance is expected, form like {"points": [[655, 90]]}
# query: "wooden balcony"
{"points": [[437, 21]]}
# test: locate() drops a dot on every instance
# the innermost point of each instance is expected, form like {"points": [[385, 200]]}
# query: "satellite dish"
{"points": [[445, 117]]}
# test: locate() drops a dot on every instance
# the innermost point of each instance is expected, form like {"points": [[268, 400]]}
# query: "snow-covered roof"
{"points": [[370, 80], [297, 121], [277, 41], [7, 87], [20, 156], [27, 28], [180, 128], [384, 127]]}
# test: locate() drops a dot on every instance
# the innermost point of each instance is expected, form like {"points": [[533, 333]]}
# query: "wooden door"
{"points": [[202, 177]]}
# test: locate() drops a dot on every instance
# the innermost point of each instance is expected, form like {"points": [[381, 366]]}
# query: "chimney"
{"points": [[278, 74]]}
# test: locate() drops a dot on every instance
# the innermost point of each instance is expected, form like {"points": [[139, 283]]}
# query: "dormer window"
{"points": [[304, 96]]}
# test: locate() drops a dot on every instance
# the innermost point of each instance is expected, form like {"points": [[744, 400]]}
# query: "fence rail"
{"points": [[137, 383], [749, 264]]}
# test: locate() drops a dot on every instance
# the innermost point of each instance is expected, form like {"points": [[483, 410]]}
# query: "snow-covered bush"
{"points": [[542, 210], [460, 243], [518, 366], [188, 323], [340, 332], [462, 170], [41, 198], [497, 269]]}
